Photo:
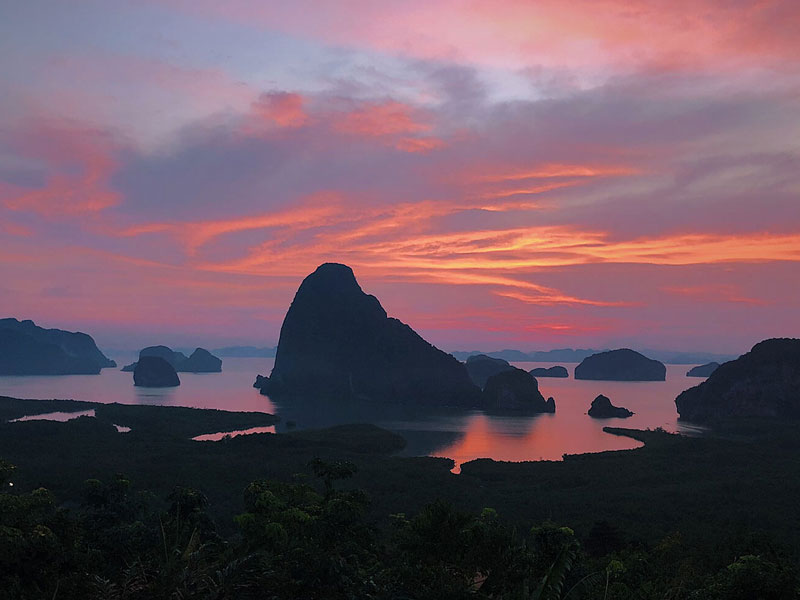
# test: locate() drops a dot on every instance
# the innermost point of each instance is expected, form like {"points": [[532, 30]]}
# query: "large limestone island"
{"points": [[154, 371], [27, 349], [200, 361], [556, 371], [620, 365], [516, 390], [480, 367], [337, 342], [703, 370], [764, 382]]}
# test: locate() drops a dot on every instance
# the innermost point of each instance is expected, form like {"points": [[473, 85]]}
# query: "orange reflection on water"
{"points": [[570, 430], [539, 437], [220, 435]]}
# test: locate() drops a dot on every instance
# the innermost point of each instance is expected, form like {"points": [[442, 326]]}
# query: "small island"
{"points": [[200, 361], [603, 409], [516, 390], [620, 365], [154, 371], [556, 371], [703, 370], [480, 367]]}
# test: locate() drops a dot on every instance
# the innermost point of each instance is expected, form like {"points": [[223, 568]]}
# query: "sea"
{"points": [[458, 434]]}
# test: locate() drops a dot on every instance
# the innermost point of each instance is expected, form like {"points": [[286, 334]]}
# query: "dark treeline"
{"points": [[335, 513], [309, 538]]}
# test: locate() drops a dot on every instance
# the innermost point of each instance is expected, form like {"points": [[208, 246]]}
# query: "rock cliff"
{"points": [[337, 342], [27, 349], [764, 382]]}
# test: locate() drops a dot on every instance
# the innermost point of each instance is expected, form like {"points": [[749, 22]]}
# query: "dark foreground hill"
{"points": [[337, 342], [27, 349], [333, 514]]}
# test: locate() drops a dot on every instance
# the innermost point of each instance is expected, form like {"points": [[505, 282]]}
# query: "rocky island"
{"points": [[516, 390], [764, 382], [337, 342], [556, 371], [154, 371], [480, 367], [703, 370], [27, 349], [603, 409], [620, 365], [200, 361]]}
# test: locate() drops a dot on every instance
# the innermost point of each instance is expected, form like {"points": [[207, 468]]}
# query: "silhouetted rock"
{"points": [[261, 382], [337, 342], [515, 390], [155, 371], [603, 409], [703, 370], [620, 365], [557, 371], [27, 349], [176, 359], [201, 360], [765, 382], [480, 367]]}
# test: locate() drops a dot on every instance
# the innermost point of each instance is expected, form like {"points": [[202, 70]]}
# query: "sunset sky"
{"points": [[499, 173]]}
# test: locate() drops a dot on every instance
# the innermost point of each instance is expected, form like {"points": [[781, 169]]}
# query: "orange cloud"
{"points": [[555, 297], [548, 171], [196, 234]]}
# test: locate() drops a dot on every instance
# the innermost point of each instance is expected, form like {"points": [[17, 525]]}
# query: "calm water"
{"points": [[457, 434]]}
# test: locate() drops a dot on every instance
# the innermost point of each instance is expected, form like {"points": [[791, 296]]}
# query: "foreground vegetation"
{"points": [[332, 514]]}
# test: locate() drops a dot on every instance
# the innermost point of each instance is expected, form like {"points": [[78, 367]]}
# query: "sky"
{"points": [[499, 173]]}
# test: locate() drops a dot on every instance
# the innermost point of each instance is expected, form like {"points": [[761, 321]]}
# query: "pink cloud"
{"points": [[516, 33], [79, 163], [281, 108]]}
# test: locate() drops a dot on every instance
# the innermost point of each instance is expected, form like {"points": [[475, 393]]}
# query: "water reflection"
{"points": [[61, 417], [454, 433], [220, 435], [544, 437]]}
